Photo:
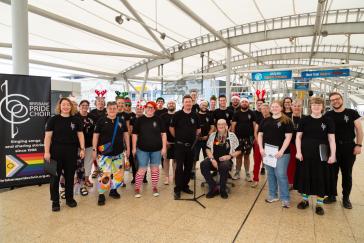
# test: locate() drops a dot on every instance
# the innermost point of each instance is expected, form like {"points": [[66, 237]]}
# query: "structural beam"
{"points": [[80, 51], [318, 25], [142, 23], [74, 24]]}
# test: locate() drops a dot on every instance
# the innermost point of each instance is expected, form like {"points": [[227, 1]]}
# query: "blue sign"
{"points": [[301, 83], [274, 75], [326, 73]]}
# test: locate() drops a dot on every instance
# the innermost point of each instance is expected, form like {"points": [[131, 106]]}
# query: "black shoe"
{"points": [[55, 206], [329, 199], [262, 171], [114, 194], [319, 210], [212, 193], [101, 200], [71, 203], [347, 204], [177, 195], [188, 191], [224, 194], [132, 181], [124, 185], [303, 204]]}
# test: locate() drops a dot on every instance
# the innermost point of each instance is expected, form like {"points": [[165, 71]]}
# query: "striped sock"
{"points": [[305, 197], [155, 176], [139, 179], [319, 201]]}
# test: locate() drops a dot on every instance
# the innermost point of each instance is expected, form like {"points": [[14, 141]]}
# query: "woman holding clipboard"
{"points": [[274, 136], [314, 139]]}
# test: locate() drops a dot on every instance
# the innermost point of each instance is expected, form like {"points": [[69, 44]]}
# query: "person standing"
{"points": [[287, 103], [167, 119], [207, 127], [112, 132], [88, 126], [243, 125], [185, 128], [277, 131], [160, 107], [194, 96], [264, 110], [63, 137], [315, 141], [222, 147], [149, 145], [212, 107], [223, 112], [235, 104], [295, 118], [348, 128], [256, 153]]}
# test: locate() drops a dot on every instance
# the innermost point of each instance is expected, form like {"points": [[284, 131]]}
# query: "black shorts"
{"points": [[246, 145], [170, 152]]}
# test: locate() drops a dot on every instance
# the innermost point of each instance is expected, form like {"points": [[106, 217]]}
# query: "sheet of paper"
{"points": [[270, 152]]}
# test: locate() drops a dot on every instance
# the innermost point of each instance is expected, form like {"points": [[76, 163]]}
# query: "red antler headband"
{"points": [[260, 94], [100, 93]]}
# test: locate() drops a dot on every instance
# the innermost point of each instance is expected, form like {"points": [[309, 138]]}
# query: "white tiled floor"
{"points": [[25, 216]]}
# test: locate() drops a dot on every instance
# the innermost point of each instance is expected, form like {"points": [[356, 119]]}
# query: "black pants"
{"points": [[184, 160], [200, 145], [345, 162], [223, 169], [66, 157]]}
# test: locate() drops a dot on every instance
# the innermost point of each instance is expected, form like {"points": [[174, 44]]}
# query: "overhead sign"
{"points": [[326, 73], [274, 75], [24, 110], [301, 83]]}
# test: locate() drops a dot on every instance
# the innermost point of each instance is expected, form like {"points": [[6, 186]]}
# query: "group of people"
{"points": [[310, 150]]}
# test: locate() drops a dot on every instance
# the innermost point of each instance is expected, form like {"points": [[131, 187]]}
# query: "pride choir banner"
{"points": [[24, 110]]}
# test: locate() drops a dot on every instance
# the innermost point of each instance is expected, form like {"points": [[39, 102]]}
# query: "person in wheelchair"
{"points": [[222, 146]]}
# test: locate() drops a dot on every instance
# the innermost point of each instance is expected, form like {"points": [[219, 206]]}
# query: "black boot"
{"points": [[329, 199], [101, 200], [114, 194], [55, 206], [347, 203], [71, 203]]}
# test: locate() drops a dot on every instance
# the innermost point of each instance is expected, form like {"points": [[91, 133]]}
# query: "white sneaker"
{"points": [[271, 200], [254, 184], [248, 178], [285, 204], [236, 175], [137, 194], [155, 192]]}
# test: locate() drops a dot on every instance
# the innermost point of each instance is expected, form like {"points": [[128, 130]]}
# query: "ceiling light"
{"points": [[324, 33], [119, 19], [163, 36]]}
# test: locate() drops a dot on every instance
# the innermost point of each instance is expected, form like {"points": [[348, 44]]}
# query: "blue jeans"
{"points": [[144, 158], [278, 180]]}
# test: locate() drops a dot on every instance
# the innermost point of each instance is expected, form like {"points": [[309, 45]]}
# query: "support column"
{"points": [[20, 41], [228, 73]]}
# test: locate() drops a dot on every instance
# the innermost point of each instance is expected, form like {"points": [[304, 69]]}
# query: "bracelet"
{"points": [[359, 145]]}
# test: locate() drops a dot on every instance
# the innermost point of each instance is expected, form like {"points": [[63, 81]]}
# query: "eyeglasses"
{"points": [[149, 107], [337, 99], [127, 105]]}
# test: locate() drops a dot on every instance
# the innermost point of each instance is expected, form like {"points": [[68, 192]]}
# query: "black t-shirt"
{"points": [[149, 131], [64, 129], [244, 123], [316, 128], [220, 149], [167, 119], [344, 124], [88, 127], [206, 120], [234, 109], [96, 114], [124, 116], [289, 113], [105, 127], [132, 118], [227, 115], [195, 108], [185, 125], [160, 112], [274, 132], [295, 121], [259, 116]]}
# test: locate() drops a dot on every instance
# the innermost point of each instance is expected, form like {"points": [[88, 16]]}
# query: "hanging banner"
{"points": [[301, 83], [24, 110], [274, 75], [326, 73]]}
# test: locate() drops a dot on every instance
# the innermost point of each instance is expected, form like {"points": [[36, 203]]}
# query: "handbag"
{"points": [[50, 167], [107, 147]]}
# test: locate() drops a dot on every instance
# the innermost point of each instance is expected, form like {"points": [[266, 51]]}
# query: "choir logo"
{"points": [[73, 126], [249, 116], [279, 124], [207, 119], [192, 121], [346, 118], [323, 126], [154, 124], [13, 108], [227, 115]]}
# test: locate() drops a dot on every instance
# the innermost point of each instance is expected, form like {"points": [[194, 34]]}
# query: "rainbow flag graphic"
{"points": [[34, 164]]}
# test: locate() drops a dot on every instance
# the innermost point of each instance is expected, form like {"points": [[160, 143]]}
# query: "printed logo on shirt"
{"points": [[279, 124], [207, 119], [323, 126], [249, 116], [120, 124], [227, 115], [192, 121], [122, 117], [73, 126], [154, 124], [346, 118]]}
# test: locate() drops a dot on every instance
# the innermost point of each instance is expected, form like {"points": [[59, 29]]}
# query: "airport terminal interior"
{"points": [[146, 51]]}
